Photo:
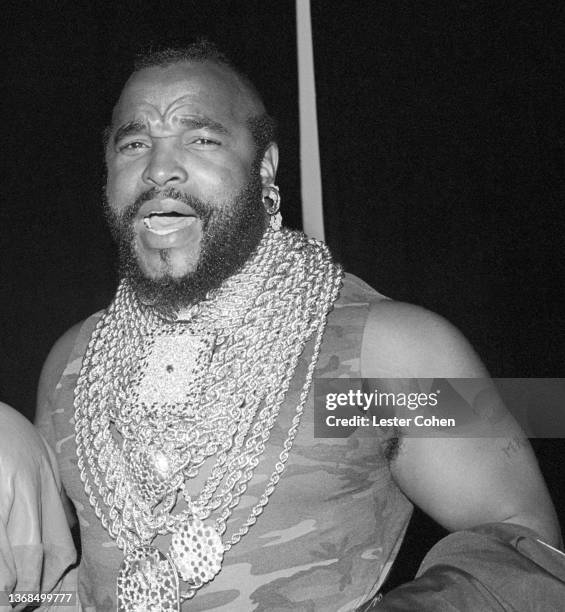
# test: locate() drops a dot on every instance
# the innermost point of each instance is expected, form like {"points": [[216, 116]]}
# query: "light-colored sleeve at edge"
{"points": [[36, 547]]}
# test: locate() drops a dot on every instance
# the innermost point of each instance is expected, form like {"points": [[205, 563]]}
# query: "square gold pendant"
{"points": [[173, 367]]}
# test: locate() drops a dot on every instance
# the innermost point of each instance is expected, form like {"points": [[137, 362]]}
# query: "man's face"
{"points": [[184, 186]]}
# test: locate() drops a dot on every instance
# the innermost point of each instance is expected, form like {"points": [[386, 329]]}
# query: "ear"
{"points": [[269, 165]]}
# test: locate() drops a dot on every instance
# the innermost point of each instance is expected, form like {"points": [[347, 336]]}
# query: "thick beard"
{"points": [[231, 233]]}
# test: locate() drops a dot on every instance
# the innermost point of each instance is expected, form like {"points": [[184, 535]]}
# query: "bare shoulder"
{"points": [[405, 340], [56, 362]]}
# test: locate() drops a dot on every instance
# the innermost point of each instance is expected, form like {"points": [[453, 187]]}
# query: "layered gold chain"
{"points": [[157, 399]]}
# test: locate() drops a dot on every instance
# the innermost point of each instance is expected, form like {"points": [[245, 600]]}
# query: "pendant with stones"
{"points": [[147, 582]]}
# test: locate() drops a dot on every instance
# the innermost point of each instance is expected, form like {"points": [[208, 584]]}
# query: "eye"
{"points": [[206, 142], [132, 147]]}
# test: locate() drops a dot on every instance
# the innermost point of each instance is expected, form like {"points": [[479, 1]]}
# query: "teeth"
{"points": [[164, 223], [163, 232]]}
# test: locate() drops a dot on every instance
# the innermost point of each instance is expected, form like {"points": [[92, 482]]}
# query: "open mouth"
{"points": [[163, 223]]}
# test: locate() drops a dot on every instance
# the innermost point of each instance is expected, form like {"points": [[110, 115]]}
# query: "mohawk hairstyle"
{"points": [[263, 127], [200, 51]]}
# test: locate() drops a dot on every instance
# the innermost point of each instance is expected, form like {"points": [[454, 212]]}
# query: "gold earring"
{"points": [[272, 204]]}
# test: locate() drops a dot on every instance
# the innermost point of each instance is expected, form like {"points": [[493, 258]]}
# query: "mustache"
{"points": [[200, 207]]}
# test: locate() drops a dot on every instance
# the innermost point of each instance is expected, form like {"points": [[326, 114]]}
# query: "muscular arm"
{"points": [[53, 369], [460, 482], [50, 376]]}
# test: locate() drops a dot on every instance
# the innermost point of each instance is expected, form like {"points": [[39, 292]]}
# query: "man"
{"points": [[188, 401]]}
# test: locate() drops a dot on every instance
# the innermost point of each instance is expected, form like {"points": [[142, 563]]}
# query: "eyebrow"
{"points": [[132, 127], [198, 123], [192, 123]]}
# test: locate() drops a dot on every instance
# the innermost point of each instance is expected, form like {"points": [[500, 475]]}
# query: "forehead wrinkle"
{"points": [[178, 104], [205, 80], [151, 116], [187, 108], [242, 101]]}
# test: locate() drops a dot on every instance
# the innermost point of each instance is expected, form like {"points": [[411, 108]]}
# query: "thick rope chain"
{"points": [[263, 318]]}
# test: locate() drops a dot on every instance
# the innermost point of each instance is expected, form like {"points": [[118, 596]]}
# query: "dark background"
{"points": [[442, 140]]}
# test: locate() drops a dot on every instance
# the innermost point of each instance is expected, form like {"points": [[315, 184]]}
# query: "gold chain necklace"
{"points": [[156, 400]]}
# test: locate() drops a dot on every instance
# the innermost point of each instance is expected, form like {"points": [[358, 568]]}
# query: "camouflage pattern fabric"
{"points": [[331, 529]]}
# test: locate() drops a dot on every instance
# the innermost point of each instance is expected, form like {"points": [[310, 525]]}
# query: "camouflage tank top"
{"points": [[330, 532]]}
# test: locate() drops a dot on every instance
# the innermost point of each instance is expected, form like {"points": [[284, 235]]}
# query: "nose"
{"points": [[164, 166]]}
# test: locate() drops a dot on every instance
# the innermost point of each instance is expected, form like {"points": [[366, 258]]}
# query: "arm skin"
{"points": [[459, 482], [54, 366], [50, 375]]}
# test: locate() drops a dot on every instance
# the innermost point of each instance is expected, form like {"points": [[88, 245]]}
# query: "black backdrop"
{"points": [[442, 142]]}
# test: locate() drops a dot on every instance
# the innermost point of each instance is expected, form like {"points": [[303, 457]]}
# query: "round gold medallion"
{"points": [[197, 552]]}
